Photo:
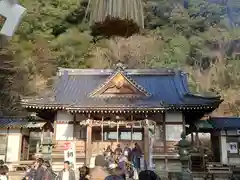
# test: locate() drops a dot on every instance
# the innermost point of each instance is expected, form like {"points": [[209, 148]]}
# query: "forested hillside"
{"points": [[192, 35]]}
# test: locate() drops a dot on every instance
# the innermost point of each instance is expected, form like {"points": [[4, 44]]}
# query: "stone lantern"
{"points": [[184, 148]]}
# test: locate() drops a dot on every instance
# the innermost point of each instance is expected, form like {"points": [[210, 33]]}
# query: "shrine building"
{"points": [[95, 108]]}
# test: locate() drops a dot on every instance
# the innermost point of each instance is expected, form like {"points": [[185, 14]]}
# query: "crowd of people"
{"points": [[119, 164]]}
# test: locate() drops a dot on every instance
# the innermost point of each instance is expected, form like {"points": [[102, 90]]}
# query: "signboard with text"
{"points": [[70, 153]]}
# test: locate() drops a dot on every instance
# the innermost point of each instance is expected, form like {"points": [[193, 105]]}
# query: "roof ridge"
{"points": [[154, 71]]}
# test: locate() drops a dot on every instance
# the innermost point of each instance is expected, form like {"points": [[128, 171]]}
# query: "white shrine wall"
{"points": [[174, 126], [64, 130], [14, 141], [229, 155]]}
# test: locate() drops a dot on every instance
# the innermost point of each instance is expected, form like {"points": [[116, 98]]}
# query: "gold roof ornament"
{"points": [[119, 84]]}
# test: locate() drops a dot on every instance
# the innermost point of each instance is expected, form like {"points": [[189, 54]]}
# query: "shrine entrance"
{"points": [[123, 130], [112, 136]]}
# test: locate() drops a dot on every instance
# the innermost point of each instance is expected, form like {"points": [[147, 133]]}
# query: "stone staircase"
{"points": [[58, 155]]}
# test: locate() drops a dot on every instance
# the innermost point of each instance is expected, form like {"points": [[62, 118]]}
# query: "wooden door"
{"points": [[25, 147]]}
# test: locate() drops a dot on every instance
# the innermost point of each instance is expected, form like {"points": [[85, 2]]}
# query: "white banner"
{"points": [[70, 153], [12, 13]]}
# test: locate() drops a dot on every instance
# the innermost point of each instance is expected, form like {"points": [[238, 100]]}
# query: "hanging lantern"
{"points": [[115, 17]]}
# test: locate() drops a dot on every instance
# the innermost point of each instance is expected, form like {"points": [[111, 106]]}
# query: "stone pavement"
{"points": [[16, 175]]}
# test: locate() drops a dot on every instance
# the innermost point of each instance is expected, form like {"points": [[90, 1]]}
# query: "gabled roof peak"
{"points": [[119, 85]]}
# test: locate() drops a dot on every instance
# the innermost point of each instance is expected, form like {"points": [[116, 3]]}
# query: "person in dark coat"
{"points": [[40, 170], [136, 155], [84, 173], [148, 175], [3, 174], [67, 173], [30, 172], [4, 167], [108, 152], [116, 174], [49, 174], [127, 152]]}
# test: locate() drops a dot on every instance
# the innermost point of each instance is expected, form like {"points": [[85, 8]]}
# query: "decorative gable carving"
{"points": [[119, 85]]}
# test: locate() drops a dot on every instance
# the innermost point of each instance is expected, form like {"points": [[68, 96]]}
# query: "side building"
{"points": [[95, 108], [21, 139]]}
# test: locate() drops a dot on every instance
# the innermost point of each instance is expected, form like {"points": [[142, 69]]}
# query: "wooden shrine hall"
{"points": [[99, 107]]}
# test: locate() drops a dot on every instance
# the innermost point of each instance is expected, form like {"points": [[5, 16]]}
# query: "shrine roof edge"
{"points": [[161, 71]]}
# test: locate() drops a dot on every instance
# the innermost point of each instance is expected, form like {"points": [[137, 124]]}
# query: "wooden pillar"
{"points": [[6, 147], [165, 142], [102, 129], [20, 144], [192, 139], [117, 132], [42, 131], [54, 131], [74, 127], [197, 139], [89, 144], [146, 145], [131, 145]]}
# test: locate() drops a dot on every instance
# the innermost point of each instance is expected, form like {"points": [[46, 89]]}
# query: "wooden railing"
{"points": [[158, 147]]}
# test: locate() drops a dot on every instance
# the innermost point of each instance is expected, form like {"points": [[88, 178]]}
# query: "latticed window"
{"points": [[173, 132], [159, 133], [34, 143], [83, 133]]}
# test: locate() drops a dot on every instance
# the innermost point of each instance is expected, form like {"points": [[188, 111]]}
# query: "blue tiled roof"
{"points": [[167, 88], [19, 123], [9, 122], [225, 122]]}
